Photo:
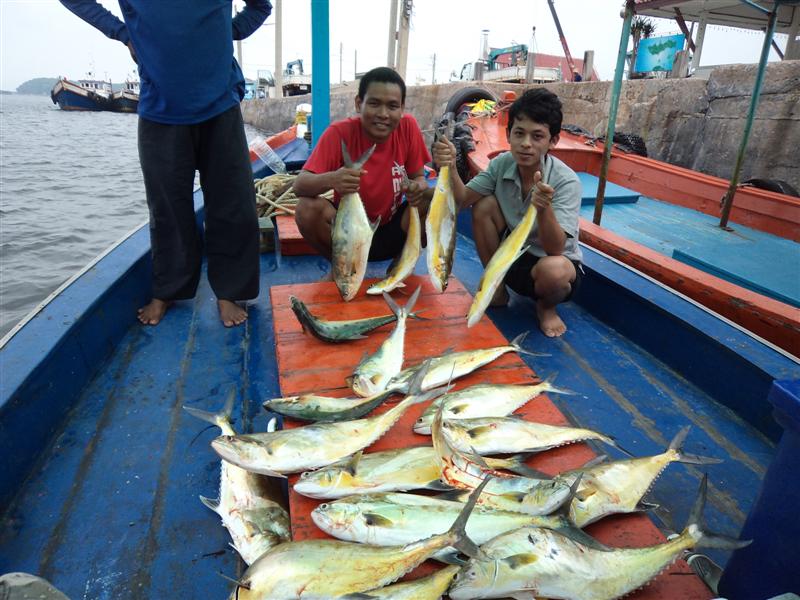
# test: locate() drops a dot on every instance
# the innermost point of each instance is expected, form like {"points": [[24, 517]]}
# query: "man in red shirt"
{"points": [[399, 150]]}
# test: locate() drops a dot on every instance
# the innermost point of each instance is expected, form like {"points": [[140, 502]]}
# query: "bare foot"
{"points": [[500, 297], [231, 313], [328, 276], [549, 321], [152, 313]]}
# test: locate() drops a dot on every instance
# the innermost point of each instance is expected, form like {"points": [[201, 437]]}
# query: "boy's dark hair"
{"points": [[539, 105], [381, 75]]}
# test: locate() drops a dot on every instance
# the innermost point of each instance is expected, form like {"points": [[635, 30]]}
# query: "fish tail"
{"points": [[516, 343], [704, 537], [693, 459], [457, 534], [516, 464], [547, 386], [222, 418]]}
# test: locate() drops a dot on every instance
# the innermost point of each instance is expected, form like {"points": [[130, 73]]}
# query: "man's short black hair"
{"points": [[540, 106], [381, 75]]}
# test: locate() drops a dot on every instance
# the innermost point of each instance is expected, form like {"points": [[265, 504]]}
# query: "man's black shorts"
{"points": [[390, 238], [519, 278]]}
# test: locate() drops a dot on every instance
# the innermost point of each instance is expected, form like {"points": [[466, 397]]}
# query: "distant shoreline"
{"points": [[6, 92]]}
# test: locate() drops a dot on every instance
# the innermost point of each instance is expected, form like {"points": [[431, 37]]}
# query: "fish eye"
{"points": [[323, 506], [305, 474]]}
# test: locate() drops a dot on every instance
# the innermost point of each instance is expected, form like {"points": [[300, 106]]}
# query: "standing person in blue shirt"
{"points": [[550, 271], [189, 120]]}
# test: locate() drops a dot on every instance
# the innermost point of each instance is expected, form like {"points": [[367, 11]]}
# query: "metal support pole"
{"points": [[390, 55], [279, 48], [727, 202], [700, 37], [320, 68], [612, 110]]}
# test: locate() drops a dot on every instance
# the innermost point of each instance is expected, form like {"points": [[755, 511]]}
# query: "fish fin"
{"points": [[707, 538], [569, 530], [516, 464], [476, 431], [517, 344], [241, 584], [375, 379], [597, 460], [415, 315], [450, 557], [457, 408], [552, 389], [348, 162], [458, 532], [515, 561], [379, 520], [352, 464], [523, 596], [415, 385], [358, 596], [412, 301], [563, 508], [392, 304], [272, 424], [362, 160], [694, 459], [613, 442], [218, 418], [437, 485], [375, 224], [680, 437], [212, 503], [349, 381], [643, 506]]}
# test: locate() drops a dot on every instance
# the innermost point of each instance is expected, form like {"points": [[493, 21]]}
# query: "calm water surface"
{"points": [[70, 186]]}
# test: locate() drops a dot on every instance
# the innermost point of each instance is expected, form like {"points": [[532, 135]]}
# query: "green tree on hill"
{"points": [[39, 86]]}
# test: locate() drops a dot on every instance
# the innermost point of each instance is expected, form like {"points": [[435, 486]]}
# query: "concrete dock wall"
{"points": [[693, 123]]}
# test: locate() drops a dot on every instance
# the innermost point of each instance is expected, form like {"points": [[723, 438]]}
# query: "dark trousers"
{"points": [[170, 155]]}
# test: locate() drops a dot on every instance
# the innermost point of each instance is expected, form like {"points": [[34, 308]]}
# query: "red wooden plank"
{"points": [[290, 240], [305, 364]]}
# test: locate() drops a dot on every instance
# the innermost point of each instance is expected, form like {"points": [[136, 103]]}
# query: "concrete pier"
{"points": [[693, 123]]}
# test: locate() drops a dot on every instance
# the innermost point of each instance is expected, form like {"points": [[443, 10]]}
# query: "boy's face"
{"points": [[530, 141], [381, 109]]}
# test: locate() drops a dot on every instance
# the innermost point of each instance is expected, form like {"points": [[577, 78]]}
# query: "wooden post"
{"points": [[390, 56], [402, 38], [588, 65]]}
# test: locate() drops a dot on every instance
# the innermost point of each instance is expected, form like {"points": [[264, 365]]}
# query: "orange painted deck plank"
{"points": [[306, 364], [290, 241]]}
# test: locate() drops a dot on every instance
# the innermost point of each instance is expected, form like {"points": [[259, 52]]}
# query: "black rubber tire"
{"points": [[773, 185], [466, 95]]}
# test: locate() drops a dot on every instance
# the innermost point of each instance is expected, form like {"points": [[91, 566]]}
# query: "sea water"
{"points": [[70, 187]]}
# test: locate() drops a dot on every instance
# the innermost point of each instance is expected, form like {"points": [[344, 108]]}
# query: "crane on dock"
{"points": [[571, 62]]}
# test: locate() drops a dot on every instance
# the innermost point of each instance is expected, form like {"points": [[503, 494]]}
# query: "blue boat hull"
{"points": [[68, 100]]}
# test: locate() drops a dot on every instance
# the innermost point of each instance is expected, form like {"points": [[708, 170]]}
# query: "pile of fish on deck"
{"points": [[503, 529]]}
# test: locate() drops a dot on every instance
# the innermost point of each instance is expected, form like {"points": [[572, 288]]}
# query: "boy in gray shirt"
{"points": [[551, 269]]}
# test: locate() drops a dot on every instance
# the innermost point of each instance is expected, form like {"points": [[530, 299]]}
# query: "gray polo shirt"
{"points": [[501, 179]]}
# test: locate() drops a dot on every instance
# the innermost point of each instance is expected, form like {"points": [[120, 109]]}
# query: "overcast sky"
{"points": [[41, 38]]}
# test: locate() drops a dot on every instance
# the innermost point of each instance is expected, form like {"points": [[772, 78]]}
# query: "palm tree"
{"points": [[641, 27]]}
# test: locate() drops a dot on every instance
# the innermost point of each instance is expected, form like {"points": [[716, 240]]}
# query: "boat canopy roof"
{"points": [[732, 13]]}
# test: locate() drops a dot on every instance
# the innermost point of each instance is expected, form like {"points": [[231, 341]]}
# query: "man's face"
{"points": [[380, 109], [530, 141]]}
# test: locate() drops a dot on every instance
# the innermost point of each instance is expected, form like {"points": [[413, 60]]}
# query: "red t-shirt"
{"points": [[380, 186]]}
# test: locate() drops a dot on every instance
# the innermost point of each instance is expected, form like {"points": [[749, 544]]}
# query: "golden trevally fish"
{"points": [[540, 563], [324, 569], [440, 230], [351, 236], [310, 407], [390, 519], [618, 486], [312, 446], [452, 365], [255, 522], [377, 369], [336, 331], [405, 263], [510, 249], [485, 400], [395, 470], [510, 435], [528, 495], [431, 587]]}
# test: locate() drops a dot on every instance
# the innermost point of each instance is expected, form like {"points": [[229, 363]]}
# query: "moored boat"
{"points": [[84, 94], [126, 99], [669, 233]]}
